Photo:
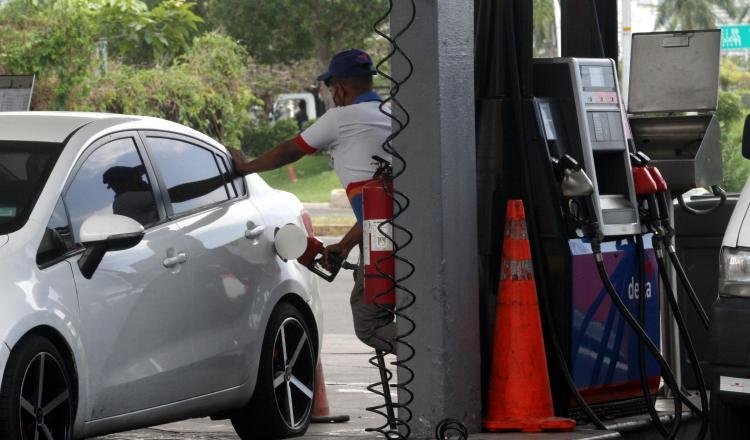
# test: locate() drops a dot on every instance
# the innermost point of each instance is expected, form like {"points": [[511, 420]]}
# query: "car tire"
{"points": [[286, 374], [26, 407], [728, 421]]}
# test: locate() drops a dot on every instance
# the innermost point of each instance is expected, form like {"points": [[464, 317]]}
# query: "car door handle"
{"points": [[255, 232], [174, 261]]}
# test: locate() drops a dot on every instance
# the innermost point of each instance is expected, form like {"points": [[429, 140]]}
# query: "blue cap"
{"points": [[352, 62]]}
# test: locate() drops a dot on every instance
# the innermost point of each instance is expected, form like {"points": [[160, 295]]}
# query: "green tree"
{"points": [[145, 36], [545, 28], [692, 14], [204, 89], [286, 31], [56, 39]]}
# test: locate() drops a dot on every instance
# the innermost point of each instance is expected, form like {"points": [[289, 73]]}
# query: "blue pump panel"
{"points": [[604, 349]]}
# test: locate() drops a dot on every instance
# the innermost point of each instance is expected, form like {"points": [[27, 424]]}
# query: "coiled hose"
{"points": [[397, 426]]}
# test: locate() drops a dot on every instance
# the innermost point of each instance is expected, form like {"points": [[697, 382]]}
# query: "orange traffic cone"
{"points": [[321, 412], [520, 398]]}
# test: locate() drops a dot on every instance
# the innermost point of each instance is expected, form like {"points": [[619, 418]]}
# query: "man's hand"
{"points": [[239, 160], [339, 250]]}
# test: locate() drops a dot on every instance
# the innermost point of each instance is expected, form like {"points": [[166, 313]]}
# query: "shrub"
{"points": [[263, 135], [204, 89]]}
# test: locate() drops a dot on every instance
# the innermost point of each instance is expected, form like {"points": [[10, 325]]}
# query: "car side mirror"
{"points": [[746, 139], [104, 233]]}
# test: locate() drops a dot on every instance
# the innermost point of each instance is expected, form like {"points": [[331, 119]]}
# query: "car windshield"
{"points": [[24, 169]]}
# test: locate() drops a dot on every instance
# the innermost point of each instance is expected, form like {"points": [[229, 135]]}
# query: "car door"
{"points": [[231, 259], [134, 310]]}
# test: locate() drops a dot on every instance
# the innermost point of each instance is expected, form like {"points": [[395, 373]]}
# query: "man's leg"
{"points": [[373, 325]]}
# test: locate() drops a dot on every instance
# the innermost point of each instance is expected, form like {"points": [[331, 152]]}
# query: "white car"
{"points": [[139, 283]]}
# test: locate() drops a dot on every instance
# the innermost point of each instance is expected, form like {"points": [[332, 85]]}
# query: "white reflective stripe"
{"points": [[734, 384]]}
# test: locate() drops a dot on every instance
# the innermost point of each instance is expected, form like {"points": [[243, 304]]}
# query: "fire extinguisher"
{"points": [[377, 236]]}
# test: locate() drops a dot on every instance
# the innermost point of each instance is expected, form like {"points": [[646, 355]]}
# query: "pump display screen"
{"points": [[597, 77], [606, 127]]}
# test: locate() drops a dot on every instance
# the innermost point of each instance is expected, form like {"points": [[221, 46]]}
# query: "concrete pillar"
{"points": [[440, 180]]}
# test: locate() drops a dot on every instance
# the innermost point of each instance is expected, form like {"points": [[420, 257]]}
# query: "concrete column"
{"points": [[440, 180]]}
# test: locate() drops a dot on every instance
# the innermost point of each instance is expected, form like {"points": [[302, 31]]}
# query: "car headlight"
{"points": [[734, 272]]}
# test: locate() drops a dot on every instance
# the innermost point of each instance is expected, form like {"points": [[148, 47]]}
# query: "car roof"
{"points": [[56, 127], [45, 126]]}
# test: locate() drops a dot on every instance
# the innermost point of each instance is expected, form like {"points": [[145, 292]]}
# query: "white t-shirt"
{"points": [[353, 134]]}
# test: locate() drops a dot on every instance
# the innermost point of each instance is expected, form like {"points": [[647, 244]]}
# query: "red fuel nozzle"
{"points": [[661, 184], [644, 183]]}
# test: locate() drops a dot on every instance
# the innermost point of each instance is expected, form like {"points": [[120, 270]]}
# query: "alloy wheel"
{"points": [[293, 373], [45, 404]]}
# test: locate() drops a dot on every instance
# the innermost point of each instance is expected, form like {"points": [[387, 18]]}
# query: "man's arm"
{"points": [[282, 154], [351, 239]]}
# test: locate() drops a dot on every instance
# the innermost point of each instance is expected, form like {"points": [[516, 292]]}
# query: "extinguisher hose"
{"points": [[666, 370], [397, 418]]}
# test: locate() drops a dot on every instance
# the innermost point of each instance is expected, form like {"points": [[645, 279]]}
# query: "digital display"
{"points": [[600, 77], [606, 126]]}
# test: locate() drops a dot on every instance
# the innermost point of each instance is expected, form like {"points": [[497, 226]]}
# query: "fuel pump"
{"points": [[620, 231], [579, 113]]}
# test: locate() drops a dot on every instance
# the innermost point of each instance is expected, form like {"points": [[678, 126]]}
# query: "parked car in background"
{"points": [[139, 283]]}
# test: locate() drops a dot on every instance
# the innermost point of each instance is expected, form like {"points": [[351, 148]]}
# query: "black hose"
{"points": [[451, 429], [641, 252], [688, 286], [717, 191], [667, 372], [533, 239], [689, 347]]}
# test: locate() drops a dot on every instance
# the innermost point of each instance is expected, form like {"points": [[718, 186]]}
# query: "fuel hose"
{"points": [[641, 253], [689, 347], [666, 370]]}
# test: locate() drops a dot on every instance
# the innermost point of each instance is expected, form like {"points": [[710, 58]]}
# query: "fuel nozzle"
{"points": [[574, 182], [646, 188]]}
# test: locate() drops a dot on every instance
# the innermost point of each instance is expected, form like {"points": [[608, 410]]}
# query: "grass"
{"points": [[315, 179]]}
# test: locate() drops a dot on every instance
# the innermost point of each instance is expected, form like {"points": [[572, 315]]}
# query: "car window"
{"points": [[190, 173], [112, 180], [58, 236], [24, 169], [234, 187]]}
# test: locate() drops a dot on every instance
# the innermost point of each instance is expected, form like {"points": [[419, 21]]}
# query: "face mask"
{"points": [[327, 97]]}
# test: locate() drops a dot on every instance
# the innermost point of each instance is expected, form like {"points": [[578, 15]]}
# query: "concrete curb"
{"points": [[330, 230]]}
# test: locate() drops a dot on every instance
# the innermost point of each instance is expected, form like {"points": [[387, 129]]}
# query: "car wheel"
{"points": [[283, 398], [728, 421], [36, 399]]}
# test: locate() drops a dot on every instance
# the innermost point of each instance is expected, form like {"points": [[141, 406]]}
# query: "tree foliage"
{"points": [[204, 89], [56, 39], [286, 31], [692, 14], [734, 98], [545, 30]]}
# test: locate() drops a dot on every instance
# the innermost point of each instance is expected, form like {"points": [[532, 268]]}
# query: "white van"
{"points": [[730, 324]]}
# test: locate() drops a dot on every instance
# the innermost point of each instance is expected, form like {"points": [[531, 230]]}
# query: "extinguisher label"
{"points": [[375, 240]]}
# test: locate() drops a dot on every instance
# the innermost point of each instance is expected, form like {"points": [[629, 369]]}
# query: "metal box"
{"points": [[674, 86]]}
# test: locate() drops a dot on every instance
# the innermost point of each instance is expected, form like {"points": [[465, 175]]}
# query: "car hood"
{"points": [[3, 240]]}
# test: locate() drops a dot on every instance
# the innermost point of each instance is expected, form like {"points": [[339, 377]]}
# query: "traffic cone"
{"points": [[321, 412], [519, 398]]}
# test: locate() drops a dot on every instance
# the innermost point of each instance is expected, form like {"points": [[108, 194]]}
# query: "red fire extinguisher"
{"points": [[378, 240]]}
